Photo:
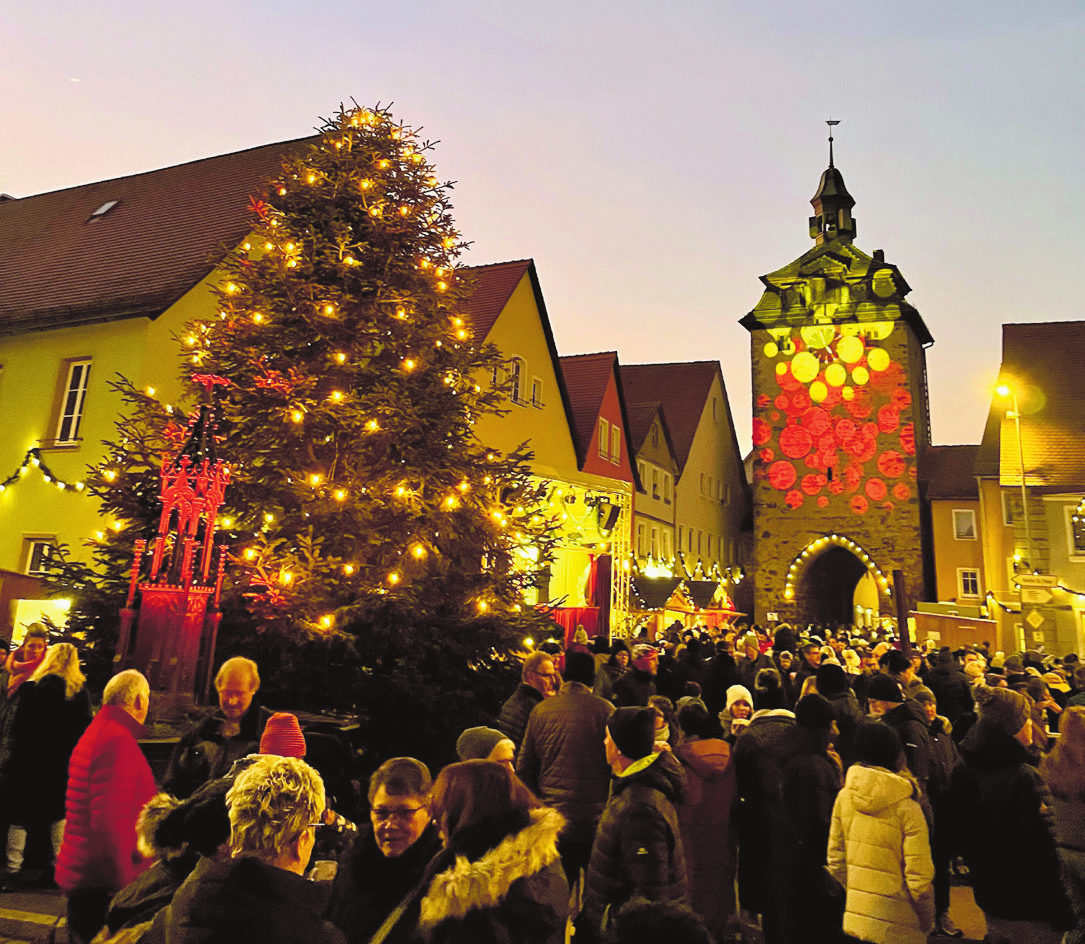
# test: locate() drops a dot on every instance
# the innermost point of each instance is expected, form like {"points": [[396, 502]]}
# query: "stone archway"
{"points": [[827, 590]]}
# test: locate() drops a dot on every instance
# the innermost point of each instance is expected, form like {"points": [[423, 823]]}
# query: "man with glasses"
{"points": [[378, 879], [540, 679]]}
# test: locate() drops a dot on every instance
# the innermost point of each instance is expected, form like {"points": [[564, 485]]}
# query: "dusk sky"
{"points": [[653, 159]]}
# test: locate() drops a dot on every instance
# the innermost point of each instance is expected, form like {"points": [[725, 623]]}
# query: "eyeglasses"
{"points": [[401, 815]]}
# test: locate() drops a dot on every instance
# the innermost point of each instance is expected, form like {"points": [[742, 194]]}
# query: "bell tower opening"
{"points": [[828, 589]]}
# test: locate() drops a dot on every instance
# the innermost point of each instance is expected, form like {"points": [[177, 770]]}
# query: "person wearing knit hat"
{"points": [[1000, 797], [484, 743], [638, 684], [1013, 665], [282, 736], [737, 713], [638, 849], [752, 661], [908, 718]]}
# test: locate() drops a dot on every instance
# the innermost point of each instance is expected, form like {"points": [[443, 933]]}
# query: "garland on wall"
{"points": [[33, 460]]}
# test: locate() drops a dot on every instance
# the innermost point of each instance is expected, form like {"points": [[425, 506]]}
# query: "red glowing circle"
{"points": [[823, 500], [794, 499], [817, 421], [845, 431], [858, 504], [795, 441], [891, 464], [761, 431], [812, 484], [781, 401], [800, 403], [860, 406], [782, 475], [901, 492], [876, 489], [766, 455], [888, 418], [907, 439], [763, 401]]}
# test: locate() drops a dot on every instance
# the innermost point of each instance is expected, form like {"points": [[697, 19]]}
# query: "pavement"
{"points": [[37, 917]]}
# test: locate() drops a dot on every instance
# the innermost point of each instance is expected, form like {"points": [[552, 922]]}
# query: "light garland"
{"points": [[33, 460], [793, 572]]}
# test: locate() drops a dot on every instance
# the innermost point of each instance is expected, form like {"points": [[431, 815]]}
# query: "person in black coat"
{"points": [[950, 687], [908, 718], [258, 894], [1003, 809], [539, 679]]}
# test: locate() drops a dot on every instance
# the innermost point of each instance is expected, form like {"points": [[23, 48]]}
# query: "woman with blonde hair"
{"points": [[1063, 770], [54, 711]]}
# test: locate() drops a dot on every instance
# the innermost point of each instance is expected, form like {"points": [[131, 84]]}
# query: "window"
{"points": [[655, 435], [537, 392], [515, 379], [642, 469], [964, 524], [968, 582], [655, 541], [690, 542], [681, 535], [1009, 503], [667, 487], [708, 543], [40, 552], [700, 534], [74, 393], [666, 545], [615, 443], [604, 437], [704, 484], [655, 484], [727, 495], [640, 538], [1075, 533]]}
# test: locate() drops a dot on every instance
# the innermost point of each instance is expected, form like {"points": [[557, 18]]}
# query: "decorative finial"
{"points": [[832, 124]]}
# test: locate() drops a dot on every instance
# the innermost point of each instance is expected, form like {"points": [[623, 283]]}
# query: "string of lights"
{"points": [[33, 460]]}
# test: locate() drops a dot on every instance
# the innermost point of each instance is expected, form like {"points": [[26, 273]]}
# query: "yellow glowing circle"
{"points": [[781, 369], [804, 367], [818, 335], [835, 375], [848, 393], [878, 359], [850, 350], [860, 375], [771, 350], [818, 391]]}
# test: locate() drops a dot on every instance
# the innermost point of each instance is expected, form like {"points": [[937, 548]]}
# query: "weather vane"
{"points": [[832, 124]]}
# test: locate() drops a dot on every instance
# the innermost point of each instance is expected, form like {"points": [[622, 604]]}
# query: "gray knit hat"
{"points": [[477, 743]]}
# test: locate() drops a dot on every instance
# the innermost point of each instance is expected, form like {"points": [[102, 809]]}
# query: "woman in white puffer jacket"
{"points": [[879, 849]]}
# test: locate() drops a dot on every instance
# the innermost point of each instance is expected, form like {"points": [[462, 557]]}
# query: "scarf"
{"points": [[19, 672]]}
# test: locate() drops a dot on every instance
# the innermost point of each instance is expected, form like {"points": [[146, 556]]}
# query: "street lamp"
{"points": [[1004, 390]]}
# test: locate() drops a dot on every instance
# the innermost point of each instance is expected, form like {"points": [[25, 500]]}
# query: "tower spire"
{"points": [[832, 203]]}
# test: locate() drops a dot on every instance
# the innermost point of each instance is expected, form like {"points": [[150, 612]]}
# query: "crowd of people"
{"points": [[824, 786]]}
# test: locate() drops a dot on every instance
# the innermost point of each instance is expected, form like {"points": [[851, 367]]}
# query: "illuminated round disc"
{"points": [[850, 350], [818, 391], [771, 350], [878, 359], [804, 367], [818, 335], [860, 375], [848, 393], [835, 375]]}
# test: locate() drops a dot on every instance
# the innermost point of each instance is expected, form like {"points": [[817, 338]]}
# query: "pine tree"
{"points": [[354, 385]]}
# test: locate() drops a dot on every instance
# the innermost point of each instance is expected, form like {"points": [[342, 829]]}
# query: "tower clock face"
{"points": [[836, 427]]}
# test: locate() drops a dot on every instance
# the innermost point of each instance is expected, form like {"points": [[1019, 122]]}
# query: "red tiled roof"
{"points": [[949, 472], [586, 378], [58, 269], [641, 416], [494, 285], [1043, 363], [681, 388]]}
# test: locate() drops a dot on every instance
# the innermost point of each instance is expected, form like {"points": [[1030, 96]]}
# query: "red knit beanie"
{"points": [[283, 736]]}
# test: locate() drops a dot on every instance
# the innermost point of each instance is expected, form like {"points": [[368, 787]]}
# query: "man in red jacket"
{"points": [[109, 781]]}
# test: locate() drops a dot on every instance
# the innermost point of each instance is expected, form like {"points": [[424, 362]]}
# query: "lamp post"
{"points": [[1004, 390]]}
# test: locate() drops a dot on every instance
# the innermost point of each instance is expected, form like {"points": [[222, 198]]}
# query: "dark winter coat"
{"points": [[9, 705], [1002, 810], [204, 754], [909, 720], [1069, 818], [708, 823], [634, 689], [848, 716], [109, 781], [514, 893], [47, 727], [512, 722], [638, 848], [760, 754], [945, 757], [142, 899], [606, 676], [747, 670], [951, 691], [369, 886], [563, 760], [243, 899]]}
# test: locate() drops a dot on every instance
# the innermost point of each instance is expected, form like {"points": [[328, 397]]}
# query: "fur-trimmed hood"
{"points": [[484, 883]]}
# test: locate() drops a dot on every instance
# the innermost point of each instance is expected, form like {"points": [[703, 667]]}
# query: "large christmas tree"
{"points": [[362, 506]]}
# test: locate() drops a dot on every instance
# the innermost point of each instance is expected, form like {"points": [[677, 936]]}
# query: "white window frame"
{"points": [[962, 594], [640, 539], [957, 531], [604, 438], [48, 544], [537, 392], [73, 399], [515, 378]]}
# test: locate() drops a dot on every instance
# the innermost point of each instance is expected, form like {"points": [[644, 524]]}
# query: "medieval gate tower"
{"points": [[840, 420]]}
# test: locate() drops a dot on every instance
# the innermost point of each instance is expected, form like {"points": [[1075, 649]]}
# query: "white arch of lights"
{"points": [[815, 547]]}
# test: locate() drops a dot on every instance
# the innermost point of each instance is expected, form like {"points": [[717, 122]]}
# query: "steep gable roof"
{"points": [[57, 268], [948, 472], [682, 388], [1042, 362], [494, 285]]}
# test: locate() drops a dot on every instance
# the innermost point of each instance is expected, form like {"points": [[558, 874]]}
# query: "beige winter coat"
{"points": [[880, 852]]}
